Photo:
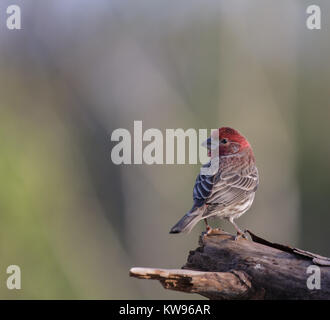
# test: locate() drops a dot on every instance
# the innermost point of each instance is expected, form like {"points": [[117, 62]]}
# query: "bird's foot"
{"points": [[210, 231], [240, 234]]}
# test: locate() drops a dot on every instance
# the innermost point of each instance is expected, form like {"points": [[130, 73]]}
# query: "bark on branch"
{"points": [[222, 268]]}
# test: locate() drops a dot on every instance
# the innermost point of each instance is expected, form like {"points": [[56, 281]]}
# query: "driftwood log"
{"points": [[225, 268]]}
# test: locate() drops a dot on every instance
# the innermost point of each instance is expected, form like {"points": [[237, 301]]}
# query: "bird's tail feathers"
{"points": [[188, 221]]}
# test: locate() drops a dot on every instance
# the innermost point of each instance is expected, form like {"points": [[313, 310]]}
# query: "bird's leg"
{"points": [[240, 233], [210, 231], [208, 228]]}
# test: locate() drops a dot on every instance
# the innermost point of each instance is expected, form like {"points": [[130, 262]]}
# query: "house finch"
{"points": [[229, 191]]}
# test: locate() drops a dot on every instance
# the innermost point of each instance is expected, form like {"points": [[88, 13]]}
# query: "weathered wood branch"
{"points": [[222, 268]]}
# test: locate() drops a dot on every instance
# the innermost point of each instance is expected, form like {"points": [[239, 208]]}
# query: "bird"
{"points": [[227, 191]]}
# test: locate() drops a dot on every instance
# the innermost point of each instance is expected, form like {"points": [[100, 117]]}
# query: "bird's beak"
{"points": [[207, 143], [210, 143]]}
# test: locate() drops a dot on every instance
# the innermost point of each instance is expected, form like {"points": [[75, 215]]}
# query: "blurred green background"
{"points": [[72, 220]]}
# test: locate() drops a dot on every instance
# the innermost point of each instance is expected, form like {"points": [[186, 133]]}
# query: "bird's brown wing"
{"points": [[203, 188], [231, 187]]}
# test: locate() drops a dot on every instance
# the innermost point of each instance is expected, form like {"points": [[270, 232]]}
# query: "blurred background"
{"points": [[72, 220]]}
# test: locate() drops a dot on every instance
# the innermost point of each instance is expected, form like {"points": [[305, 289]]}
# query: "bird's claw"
{"points": [[210, 231], [241, 234]]}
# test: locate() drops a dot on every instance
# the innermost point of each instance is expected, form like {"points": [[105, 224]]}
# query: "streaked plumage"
{"points": [[230, 191]]}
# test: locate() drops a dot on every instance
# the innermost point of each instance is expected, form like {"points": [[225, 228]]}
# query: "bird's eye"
{"points": [[224, 141]]}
